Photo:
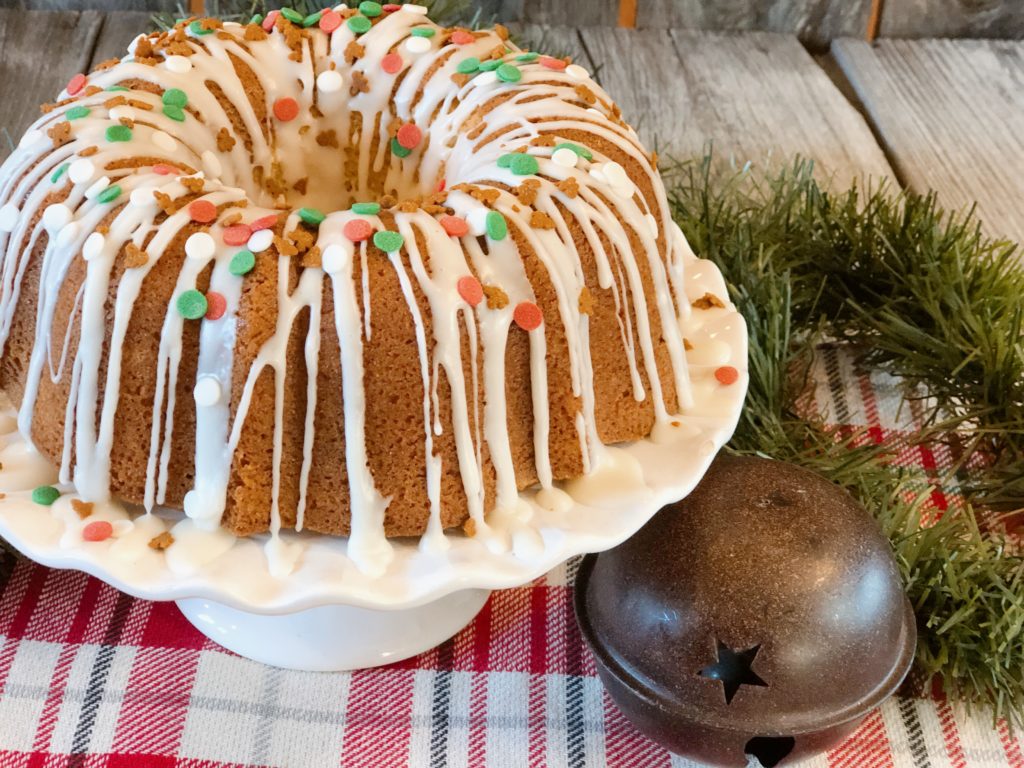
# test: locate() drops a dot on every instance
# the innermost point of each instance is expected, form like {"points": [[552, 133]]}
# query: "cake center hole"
{"points": [[770, 750]]}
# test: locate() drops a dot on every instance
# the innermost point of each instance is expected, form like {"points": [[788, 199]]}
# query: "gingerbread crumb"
{"points": [[687, 345], [134, 256], [586, 301], [569, 186], [225, 141], [82, 508], [161, 542], [496, 298], [540, 220], [708, 301], [469, 527]]}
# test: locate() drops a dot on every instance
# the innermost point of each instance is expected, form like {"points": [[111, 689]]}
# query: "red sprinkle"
{"points": [[409, 136], [266, 222], [268, 23], [237, 234], [165, 170], [391, 7], [330, 21], [470, 290], [441, 185], [75, 84], [528, 315], [455, 226], [392, 63], [202, 211], [101, 530], [727, 375], [552, 63], [357, 230], [286, 108], [462, 37], [216, 305]]}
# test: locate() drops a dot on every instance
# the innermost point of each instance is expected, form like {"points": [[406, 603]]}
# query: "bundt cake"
{"points": [[351, 273]]}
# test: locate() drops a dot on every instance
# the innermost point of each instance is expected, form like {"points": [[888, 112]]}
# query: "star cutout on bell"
{"points": [[733, 668]]}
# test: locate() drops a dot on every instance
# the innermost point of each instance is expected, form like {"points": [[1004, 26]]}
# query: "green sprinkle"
{"points": [[468, 66], [423, 31], [242, 263], [45, 495], [371, 9], [197, 28], [192, 305], [497, 228], [528, 56], [77, 113], [119, 133], [313, 18], [116, 88], [398, 150], [490, 66], [583, 152], [58, 173], [175, 97], [175, 113], [505, 161], [257, 19], [110, 194], [358, 24], [510, 73], [366, 209], [311, 216], [388, 241], [523, 164], [292, 15]]}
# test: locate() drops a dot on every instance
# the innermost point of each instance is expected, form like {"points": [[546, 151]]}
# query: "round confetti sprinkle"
{"points": [[398, 150], [115, 88], [200, 246], [286, 109], [99, 530], [76, 84], [45, 495], [528, 56], [198, 28], [357, 230], [528, 315], [423, 31], [509, 73], [257, 19], [358, 24], [577, 72], [311, 216], [93, 246], [119, 133], [468, 66], [490, 65], [410, 135], [441, 185], [110, 194], [727, 375], [163, 169], [178, 64], [202, 211], [419, 10], [268, 23], [81, 171], [391, 7], [615, 174], [523, 164], [552, 63], [164, 141], [140, 197], [97, 186], [579, 150], [261, 240], [192, 305], [77, 113], [366, 209], [175, 97], [564, 157], [455, 226], [61, 170], [388, 241], [242, 263], [329, 81], [56, 216], [207, 391], [264, 222], [333, 259], [175, 113], [417, 44], [236, 234], [371, 9], [470, 290], [216, 305], [497, 227], [392, 63], [330, 21], [313, 18], [292, 15], [9, 216], [462, 37]]}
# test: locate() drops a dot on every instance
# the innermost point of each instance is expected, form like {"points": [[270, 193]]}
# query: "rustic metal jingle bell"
{"points": [[761, 616]]}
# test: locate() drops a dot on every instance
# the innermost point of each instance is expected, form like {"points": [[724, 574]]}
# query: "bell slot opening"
{"points": [[770, 750]]}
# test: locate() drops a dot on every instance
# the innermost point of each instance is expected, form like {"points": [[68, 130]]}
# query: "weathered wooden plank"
{"points": [[118, 30], [951, 114], [26, 78], [552, 40], [583, 13], [757, 97], [95, 5], [953, 18]]}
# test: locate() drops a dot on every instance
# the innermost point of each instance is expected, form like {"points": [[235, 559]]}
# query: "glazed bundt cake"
{"points": [[351, 273]]}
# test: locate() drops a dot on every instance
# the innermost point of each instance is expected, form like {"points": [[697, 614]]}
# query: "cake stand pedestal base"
{"points": [[333, 638]]}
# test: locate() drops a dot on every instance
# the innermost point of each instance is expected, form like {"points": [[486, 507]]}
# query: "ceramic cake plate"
{"points": [[298, 601]]}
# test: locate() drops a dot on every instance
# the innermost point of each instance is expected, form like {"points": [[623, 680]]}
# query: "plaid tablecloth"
{"points": [[91, 677]]}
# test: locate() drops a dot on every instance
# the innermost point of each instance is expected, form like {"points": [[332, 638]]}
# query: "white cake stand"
{"points": [[320, 612]]}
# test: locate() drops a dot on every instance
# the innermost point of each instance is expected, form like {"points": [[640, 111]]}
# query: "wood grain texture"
{"points": [[756, 97], [953, 18], [117, 31], [552, 40], [951, 115], [94, 5], [581, 13], [39, 52]]}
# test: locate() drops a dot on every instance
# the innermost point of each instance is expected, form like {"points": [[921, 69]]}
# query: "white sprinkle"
{"points": [[329, 81], [597, 112], [576, 72], [211, 164], [93, 245], [652, 223], [30, 138], [477, 220], [164, 141], [615, 174], [418, 44], [597, 174], [98, 186], [122, 113], [178, 64], [232, 24], [141, 197], [261, 240], [334, 258], [81, 171], [207, 391], [200, 246], [55, 217], [68, 234], [9, 215], [565, 157], [419, 10]]}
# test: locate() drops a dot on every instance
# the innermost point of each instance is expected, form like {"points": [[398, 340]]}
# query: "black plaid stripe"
{"points": [[836, 385], [574, 723], [915, 734], [439, 714]]}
